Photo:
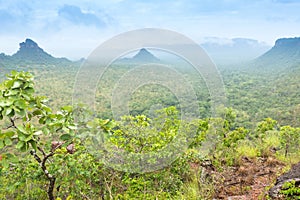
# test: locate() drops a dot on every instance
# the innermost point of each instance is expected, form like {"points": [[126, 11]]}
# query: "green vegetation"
{"points": [[48, 154], [290, 190]]}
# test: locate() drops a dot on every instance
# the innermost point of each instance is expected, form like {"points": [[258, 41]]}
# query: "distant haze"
{"points": [[73, 29], [234, 51]]}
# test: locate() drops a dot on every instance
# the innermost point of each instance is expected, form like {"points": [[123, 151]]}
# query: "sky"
{"points": [[73, 29]]}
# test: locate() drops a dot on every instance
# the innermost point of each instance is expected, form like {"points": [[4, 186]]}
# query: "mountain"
{"points": [[30, 53], [143, 56], [233, 51], [284, 54]]}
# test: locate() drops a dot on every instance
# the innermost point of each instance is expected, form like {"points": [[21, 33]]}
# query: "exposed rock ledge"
{"points": [[293, 174]]}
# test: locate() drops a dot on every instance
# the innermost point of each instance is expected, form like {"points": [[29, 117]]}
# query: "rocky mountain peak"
{"points": [[30, 53], [145, 56], [29, 46]]}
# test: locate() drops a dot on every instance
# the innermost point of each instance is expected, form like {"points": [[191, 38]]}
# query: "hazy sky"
{"points": [[74, 28]]}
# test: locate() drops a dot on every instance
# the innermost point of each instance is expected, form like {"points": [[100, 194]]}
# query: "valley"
{"points": [[253, 139]]}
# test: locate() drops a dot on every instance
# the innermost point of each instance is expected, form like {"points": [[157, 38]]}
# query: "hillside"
{"points": [[30, 53], [284, 54], [249, 148]]}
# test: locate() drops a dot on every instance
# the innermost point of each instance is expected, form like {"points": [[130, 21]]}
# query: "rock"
{"points": [[29, 44], [293, 174]]}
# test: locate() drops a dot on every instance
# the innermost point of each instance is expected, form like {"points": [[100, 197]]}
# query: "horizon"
{"points": [[75, 30], [160, 53]]}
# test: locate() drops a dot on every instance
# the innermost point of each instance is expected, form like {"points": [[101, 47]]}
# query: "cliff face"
{"points": [[285, 53], [288, 43]]}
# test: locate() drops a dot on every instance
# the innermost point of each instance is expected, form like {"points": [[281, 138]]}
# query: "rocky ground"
{"points": [[251, 180]]}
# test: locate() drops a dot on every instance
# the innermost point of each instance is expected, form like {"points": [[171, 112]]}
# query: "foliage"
{"points": [[290, 190], [27, 119], [290, 138], [43, 150]]}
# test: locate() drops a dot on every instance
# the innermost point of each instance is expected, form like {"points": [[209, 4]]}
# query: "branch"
{"points": [[42, 163], [13, 124], [42, 151]]}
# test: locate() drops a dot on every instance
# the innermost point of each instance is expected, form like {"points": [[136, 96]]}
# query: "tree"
{"points": [[289, 138], [31, 126]]}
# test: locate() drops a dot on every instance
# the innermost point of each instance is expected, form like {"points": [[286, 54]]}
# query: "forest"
{"points": [[52, 149], [150, 100]]}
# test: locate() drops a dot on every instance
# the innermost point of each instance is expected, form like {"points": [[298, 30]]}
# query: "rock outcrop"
{"points": [[293, 174], [30, 53]]}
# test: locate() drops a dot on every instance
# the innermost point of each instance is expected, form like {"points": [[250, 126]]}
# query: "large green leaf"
{"points": [[9, 133], [22, 129], [68, 108], [65, 137], [27, 139], [37, 112], [29, 90], [24, 147], [21, 112], [17, 84], [8, 111], [26, 96], [33, 144], [11, 93], [20, 144], [9, 83], [37, 133], [21, 136], [6, 102], [7, 141], [14, 72], [20, 103]]}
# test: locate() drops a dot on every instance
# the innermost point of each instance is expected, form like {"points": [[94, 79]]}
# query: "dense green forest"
{"points": [[46, 152], [150, 100], [50, 148]]}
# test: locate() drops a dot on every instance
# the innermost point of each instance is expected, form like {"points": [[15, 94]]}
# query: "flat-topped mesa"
{"points": [[288, 42], [285, 54]]}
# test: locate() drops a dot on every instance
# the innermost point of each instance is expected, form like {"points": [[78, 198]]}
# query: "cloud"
{"points": [[75, 15]]}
